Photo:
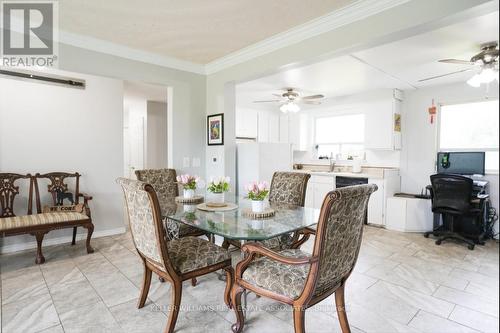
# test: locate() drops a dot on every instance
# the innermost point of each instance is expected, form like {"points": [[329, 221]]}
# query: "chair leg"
{"points": [[146, 283], [341, 311], [175, 305], [229, 286], [73, 240], [236, 293], [194, 282], [225, 244], [40, 259], [299, 318], [90, 230]]}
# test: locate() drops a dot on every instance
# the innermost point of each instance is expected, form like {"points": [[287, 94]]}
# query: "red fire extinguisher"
{"points": [[432, 111]]}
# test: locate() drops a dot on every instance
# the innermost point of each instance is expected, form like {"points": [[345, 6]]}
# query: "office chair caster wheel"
{"points": [[438, 242], [471, 247]]}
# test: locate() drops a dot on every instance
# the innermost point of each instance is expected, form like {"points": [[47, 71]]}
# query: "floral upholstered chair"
{"points": [[174, 260], [287, 188], [165, 184], [299, 279]]}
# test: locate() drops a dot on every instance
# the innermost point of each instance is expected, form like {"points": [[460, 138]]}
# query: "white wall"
{"points": [[418, 156], [47, 128]]}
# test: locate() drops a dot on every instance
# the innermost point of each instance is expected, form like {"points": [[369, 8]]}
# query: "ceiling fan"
{"points": [[485, 63], [290, 98]]}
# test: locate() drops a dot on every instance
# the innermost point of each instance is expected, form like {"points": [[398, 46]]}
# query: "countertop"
{"points": [[372, 175]]}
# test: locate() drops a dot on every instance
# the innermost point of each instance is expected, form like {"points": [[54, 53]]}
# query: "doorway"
{"points": [[145, 127]]}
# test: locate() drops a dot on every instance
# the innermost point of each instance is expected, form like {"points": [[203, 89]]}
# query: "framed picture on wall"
{"points": [[215, 128]]}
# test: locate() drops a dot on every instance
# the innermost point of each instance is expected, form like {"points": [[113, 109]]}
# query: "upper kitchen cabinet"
{"points": [[383, 129], [247, 123], [294, 129]]}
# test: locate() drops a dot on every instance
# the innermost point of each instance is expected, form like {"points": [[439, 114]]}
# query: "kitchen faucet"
{"points": [[332, 163]]}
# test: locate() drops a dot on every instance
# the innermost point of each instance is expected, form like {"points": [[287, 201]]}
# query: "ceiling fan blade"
{"points": [[312, 102], [456, 61], [443, 75], [278, 95], [313, 97], [269, 101]]}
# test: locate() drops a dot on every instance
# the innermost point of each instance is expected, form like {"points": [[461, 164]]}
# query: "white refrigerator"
{"points": [[258, 162]]}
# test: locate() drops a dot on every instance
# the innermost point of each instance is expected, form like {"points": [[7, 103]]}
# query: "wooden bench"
{"points": [[51, 217]]}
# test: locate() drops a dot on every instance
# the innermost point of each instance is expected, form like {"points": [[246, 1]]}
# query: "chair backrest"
{"points": [[163, 181], [61, 190], [146, 228], [339, 233], [9, 190], [289, 188], [451, 193]]}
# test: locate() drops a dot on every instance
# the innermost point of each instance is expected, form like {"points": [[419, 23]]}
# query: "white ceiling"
{"points": [[198, 31], [399, 64]]}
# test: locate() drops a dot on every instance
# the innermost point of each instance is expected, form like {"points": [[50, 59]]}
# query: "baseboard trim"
{"points": [[59, 240]]}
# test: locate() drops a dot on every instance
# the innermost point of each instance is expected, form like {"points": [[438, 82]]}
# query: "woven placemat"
{"points": [[268, 212], [194, 200], [217, 208]]}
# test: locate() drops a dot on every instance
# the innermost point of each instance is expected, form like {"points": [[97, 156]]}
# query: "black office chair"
{"points": [[451, 198]]}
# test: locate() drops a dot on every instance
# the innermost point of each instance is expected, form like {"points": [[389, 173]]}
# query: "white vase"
{"points": [[189, 208], [257, 206], [188, 193], [217, 197]]}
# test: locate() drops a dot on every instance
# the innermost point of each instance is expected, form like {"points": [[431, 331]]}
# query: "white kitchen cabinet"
{"points": [[246, 123], [263, 126], [376, 204], [317, 188], [283, 119], [274, 127], [379, 125], [298, 131]]}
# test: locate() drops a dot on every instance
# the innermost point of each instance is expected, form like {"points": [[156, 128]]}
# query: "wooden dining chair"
{"points": [[165, 185], [174, 260], [286, 188], [299, 279]]}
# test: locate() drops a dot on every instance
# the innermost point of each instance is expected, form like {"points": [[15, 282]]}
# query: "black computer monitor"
{"points": [[461, 163]]}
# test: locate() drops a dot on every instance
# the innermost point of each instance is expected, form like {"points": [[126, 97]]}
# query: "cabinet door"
{"points": [[379, 130], [284, 129], [274, 127], [309, 195], [263, 127], [320, 192], [376, 203]]}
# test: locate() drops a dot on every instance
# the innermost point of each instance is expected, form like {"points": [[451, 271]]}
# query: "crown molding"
{"points": [[357, 11], [99, 45]]}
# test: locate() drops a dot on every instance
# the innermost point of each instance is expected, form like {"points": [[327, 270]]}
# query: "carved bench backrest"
{"points": [[9, 191], [58, 188]]}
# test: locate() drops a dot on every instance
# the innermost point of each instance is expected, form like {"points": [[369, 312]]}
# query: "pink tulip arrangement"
{"points": [[257, 191], [188, 182]]}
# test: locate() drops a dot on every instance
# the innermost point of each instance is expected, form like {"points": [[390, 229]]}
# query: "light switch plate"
{"points": [[186, 162]]}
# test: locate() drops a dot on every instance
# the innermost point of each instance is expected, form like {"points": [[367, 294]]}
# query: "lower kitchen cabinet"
{"points": [[317, 189], [376, 204]]}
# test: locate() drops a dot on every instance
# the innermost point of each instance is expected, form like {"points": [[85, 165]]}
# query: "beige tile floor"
{"points": [[402, 283]]}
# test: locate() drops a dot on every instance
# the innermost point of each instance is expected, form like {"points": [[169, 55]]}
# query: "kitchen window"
{"points": [[471, 127], [342, 136]]}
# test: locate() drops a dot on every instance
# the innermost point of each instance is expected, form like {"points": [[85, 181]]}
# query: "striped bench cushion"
{"points": [[7, 223]]}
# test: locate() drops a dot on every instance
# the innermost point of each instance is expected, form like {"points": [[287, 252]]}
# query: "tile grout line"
{"points": [[51, 299]]}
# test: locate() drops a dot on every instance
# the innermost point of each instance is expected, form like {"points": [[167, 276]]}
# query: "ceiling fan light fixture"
{"points": [[289, 107], [475, 81]]}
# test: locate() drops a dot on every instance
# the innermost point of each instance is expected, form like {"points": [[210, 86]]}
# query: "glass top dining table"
{"points": [[236, 225]]}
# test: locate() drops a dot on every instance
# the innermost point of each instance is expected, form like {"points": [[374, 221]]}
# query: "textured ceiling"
{"points": [[199, 31]]}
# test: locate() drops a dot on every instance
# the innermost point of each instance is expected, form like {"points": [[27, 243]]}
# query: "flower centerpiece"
{"points": [[257, 192], [219, 186], [189, 184]]}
